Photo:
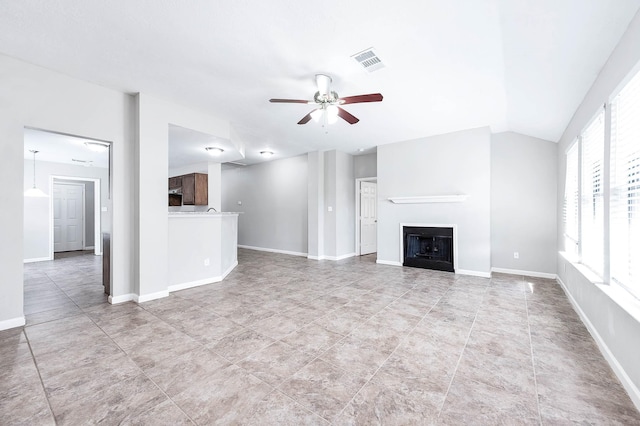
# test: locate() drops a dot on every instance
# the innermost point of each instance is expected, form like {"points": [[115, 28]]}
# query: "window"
{"points": [[592, 203], [570, 210], [625, 187]]}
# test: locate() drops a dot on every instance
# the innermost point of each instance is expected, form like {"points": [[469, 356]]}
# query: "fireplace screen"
{"points": [[429, 248]]}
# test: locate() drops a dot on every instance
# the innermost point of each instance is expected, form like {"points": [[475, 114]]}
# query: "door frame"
{"points": [[97, 203], [357, 213]]}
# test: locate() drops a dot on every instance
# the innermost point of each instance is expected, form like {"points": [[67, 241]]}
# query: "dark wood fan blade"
{"points": [[374, 97], [289, 101], [306, 118], [346, 116]]}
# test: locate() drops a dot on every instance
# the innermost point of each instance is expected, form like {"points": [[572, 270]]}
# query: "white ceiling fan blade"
{"points": [[324, 83]]}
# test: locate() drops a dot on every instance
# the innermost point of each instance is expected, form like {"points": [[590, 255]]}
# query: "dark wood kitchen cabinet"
{"points": [[195, 189], [175, 182]]}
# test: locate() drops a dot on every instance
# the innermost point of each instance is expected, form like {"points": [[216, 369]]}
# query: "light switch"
{"points": [[104, 209], [330, 208], [239, 203]]}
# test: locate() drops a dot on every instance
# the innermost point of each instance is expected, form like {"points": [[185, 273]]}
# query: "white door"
{"points": [[368, 218], [68, 223]]}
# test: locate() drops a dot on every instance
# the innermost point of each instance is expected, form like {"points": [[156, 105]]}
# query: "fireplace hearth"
{"points": [[428, 247]]}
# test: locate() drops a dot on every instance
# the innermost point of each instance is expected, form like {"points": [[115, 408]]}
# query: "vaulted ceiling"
{"points": [[518, 65]]}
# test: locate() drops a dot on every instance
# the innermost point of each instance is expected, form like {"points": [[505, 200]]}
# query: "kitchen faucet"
{"points": [[211, 208]]}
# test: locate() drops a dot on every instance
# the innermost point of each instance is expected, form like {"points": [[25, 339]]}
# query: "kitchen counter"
{"points": [[203, 249]]}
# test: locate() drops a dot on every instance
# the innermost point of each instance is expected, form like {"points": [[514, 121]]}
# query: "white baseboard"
{"points": [[631, 388], [473, 273], [37, 259], [333, 258], [151, 296], [12, 323], [524, 273], [205, 281], [89, 248], [270, 250], [114, 300], [388, 262]]}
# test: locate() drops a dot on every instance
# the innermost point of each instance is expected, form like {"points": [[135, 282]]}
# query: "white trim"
{"points": [[12, 323], [197, 283], [37, 259], [332, 258], [341, 257], [525, 273], [388, 262], [455, 198], [151, 296], [270, 250], [434, 225], [630, 387], [473, 273], [114, 300], [89, 248]]}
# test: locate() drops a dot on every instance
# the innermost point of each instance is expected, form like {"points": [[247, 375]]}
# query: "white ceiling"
{"points": [[60, 148], [518, 65]]}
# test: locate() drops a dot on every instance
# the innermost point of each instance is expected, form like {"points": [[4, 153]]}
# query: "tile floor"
{"points": [[289, 341]]}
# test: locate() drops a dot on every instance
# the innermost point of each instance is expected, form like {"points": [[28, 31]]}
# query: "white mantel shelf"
{"points": [[458, 198]]}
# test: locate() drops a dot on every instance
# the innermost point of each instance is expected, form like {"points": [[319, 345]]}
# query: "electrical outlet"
{"points": [[239, 203], [516, 255], [207, 262]]}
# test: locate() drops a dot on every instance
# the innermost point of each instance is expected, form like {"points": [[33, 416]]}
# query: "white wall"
{"points": [[365, 166], [274, 203], [612, 326], [37, 226], [345, 205], [39, 98], [523, 203], [152, 151], [455, 163]]}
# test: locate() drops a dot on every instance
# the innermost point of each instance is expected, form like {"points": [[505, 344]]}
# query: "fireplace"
{"points": [[428, 247]]}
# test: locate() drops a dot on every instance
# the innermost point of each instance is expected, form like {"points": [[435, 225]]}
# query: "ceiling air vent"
{"points": [[369, 60]]}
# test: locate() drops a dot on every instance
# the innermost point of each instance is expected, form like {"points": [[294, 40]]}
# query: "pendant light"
{"points": [[34, 192]]}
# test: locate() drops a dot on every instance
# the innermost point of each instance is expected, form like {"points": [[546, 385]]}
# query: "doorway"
{"points": [[91, 211], [68, 217], [366, 216], [63, 271]]}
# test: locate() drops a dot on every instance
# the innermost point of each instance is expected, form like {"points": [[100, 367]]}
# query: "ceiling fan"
{"points": [[328, 103]]}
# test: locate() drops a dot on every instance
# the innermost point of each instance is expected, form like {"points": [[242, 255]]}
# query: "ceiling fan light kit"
{"points": [[214, 151], [328, 103], [97, 146]]}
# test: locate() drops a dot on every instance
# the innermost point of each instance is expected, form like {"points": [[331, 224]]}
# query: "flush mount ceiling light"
{"points": [[212, 150], [34, 192], [97, 146], [266, 154]]}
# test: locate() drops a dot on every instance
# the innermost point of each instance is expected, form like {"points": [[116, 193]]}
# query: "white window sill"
{"points": [[617, 293]]}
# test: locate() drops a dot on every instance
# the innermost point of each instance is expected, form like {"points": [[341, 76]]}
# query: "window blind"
{"points": [[625, 187], [592, 203], [570, 210]]}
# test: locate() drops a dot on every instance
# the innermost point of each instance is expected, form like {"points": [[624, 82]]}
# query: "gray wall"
{"points": [[274, 203], [455, 163], [36, 232], [339, 194], [523, 203], [365, 166]]}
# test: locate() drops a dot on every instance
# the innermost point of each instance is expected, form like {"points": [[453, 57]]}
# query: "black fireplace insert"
{"points": [[428, 247]]}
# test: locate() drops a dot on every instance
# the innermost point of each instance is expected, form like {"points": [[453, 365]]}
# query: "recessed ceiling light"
{"points": [[360, 149], [212, 150], [266, 154], [97, 146]]}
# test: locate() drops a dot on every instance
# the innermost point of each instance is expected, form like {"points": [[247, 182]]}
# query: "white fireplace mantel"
{"points": [[423, 199]]}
